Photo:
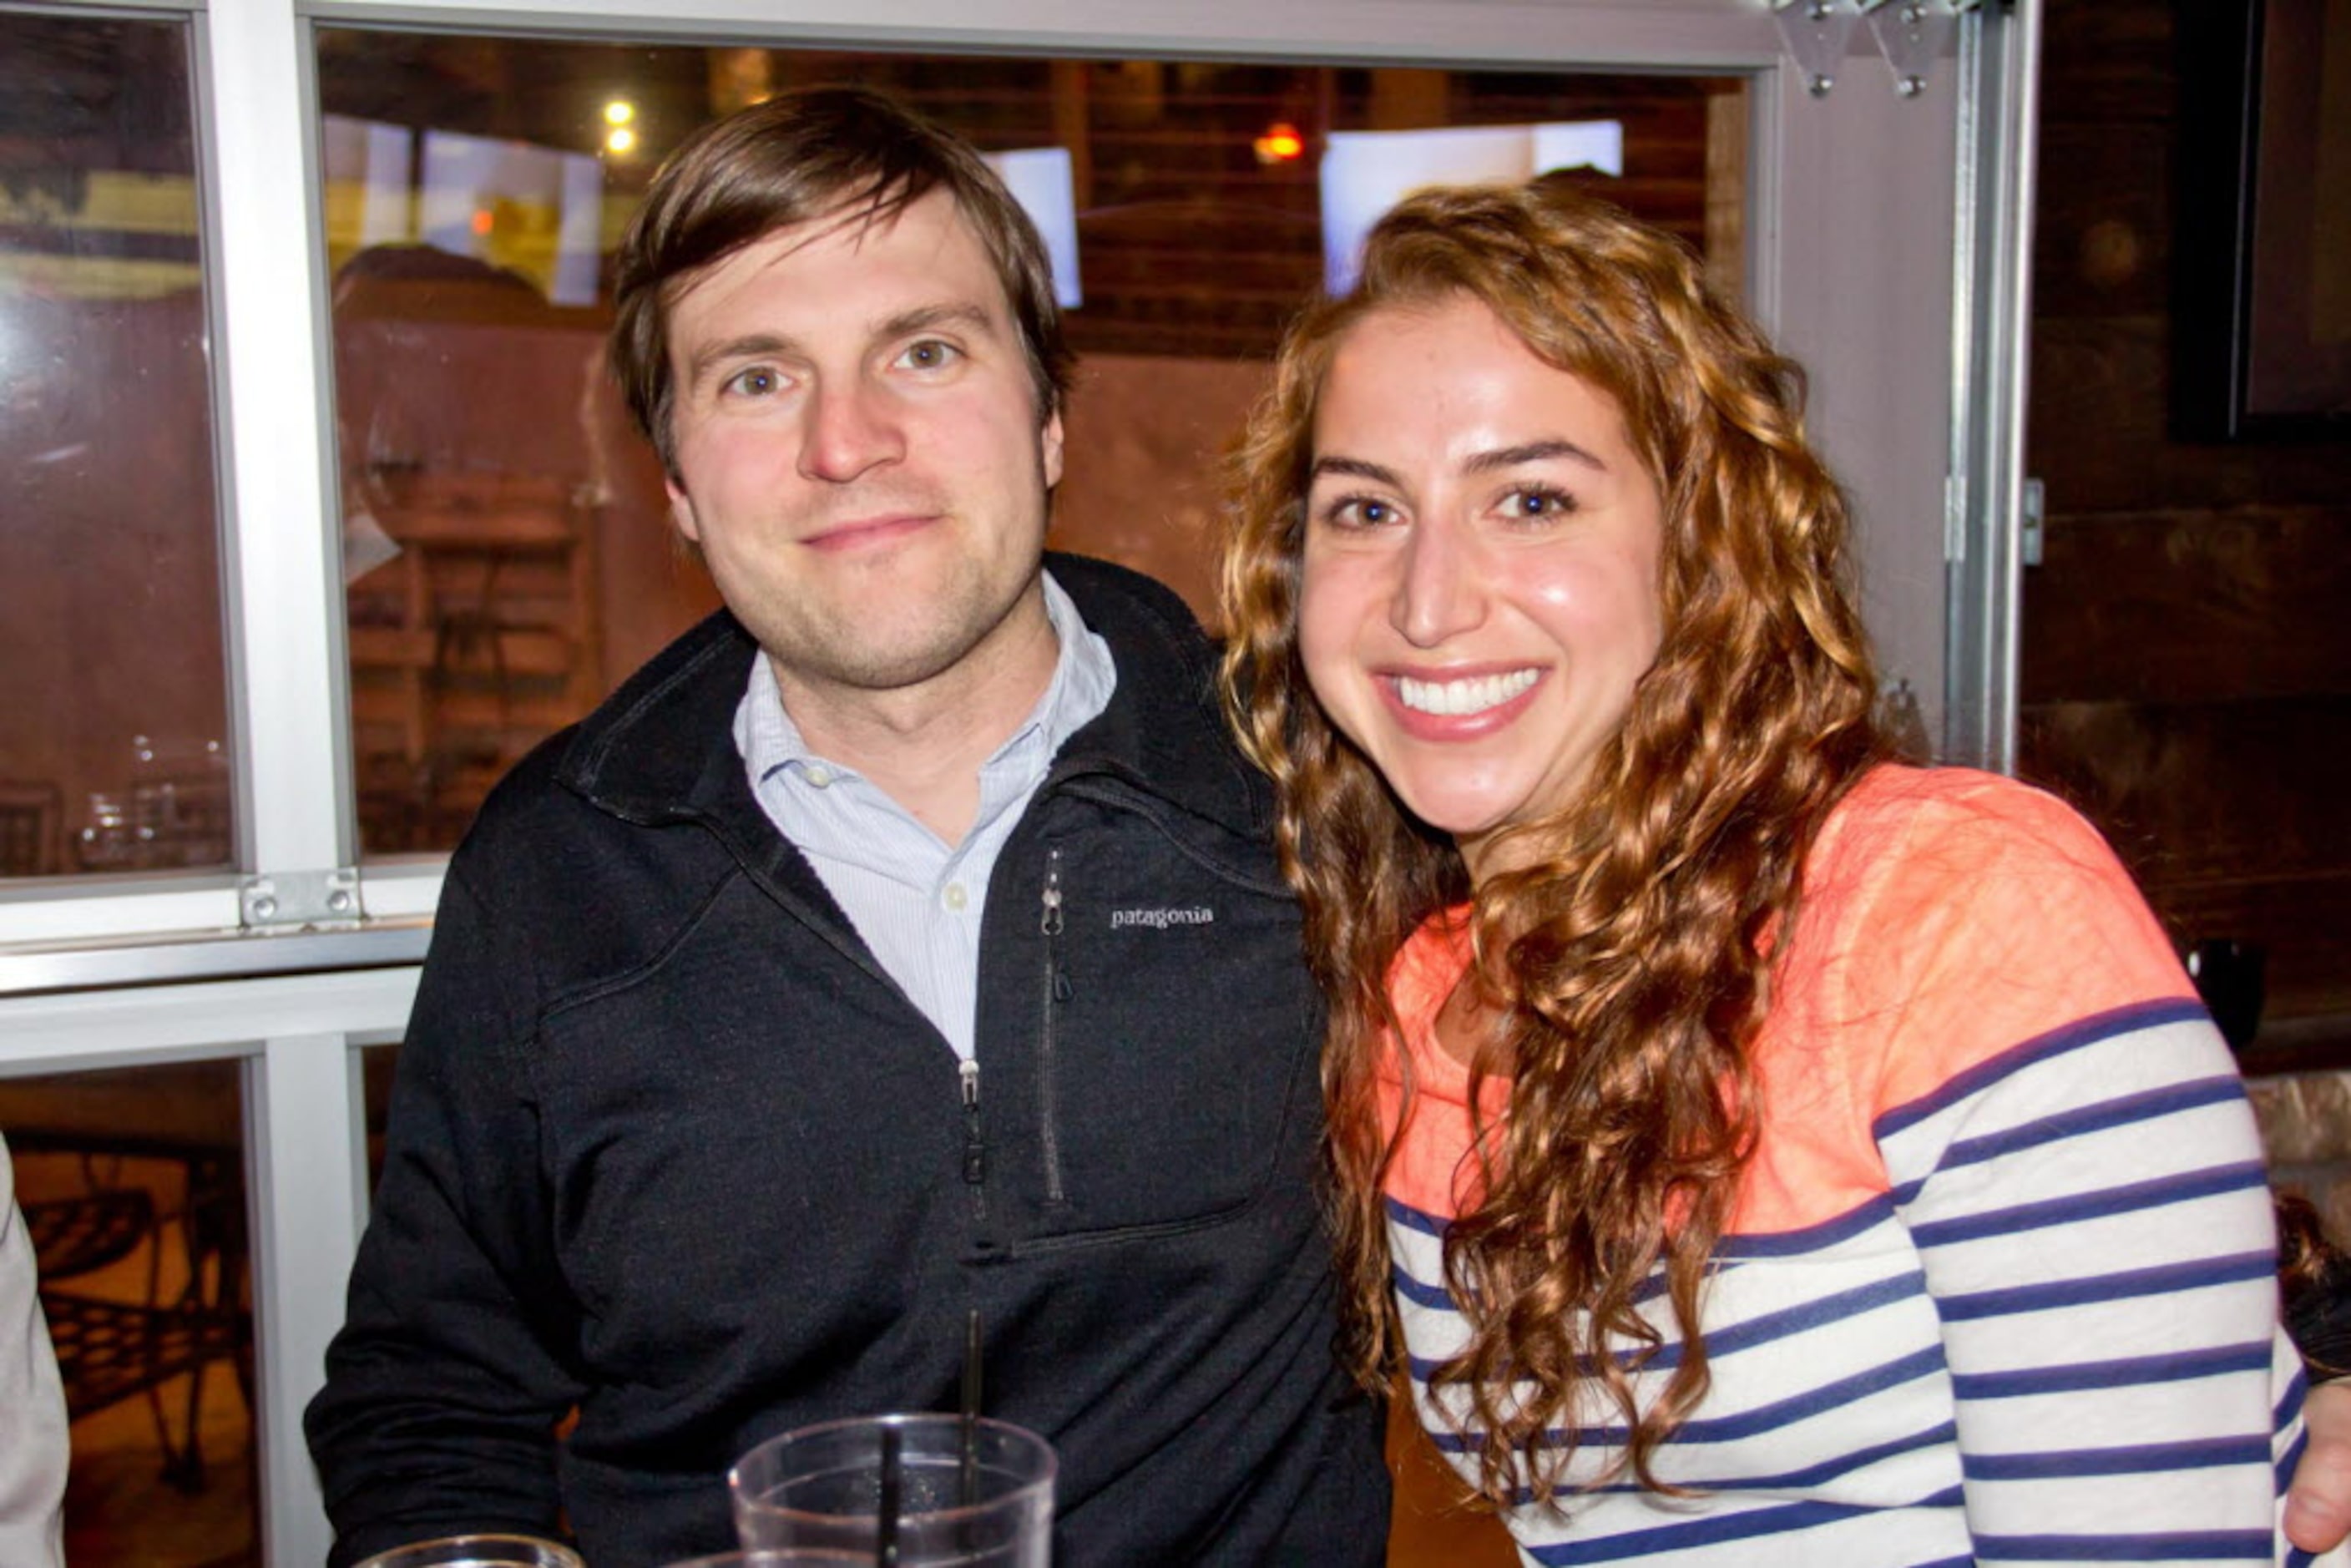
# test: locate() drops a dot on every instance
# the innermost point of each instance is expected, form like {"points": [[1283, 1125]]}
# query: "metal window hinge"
{"points": [[2032, 529], [286, 900]]}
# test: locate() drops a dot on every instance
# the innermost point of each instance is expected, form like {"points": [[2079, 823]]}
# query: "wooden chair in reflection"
{"points": [[109, 1348], [32, 816]]}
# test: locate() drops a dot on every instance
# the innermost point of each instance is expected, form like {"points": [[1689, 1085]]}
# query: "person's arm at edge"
{"points": [[2317, 1277], [2318, 1507], [33, 1443]]}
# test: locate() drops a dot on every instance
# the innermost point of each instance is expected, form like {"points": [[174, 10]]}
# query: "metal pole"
{"points": [[1999, 105]]}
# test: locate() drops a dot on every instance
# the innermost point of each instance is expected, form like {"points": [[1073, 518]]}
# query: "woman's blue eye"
{"points": [[1356, 512], [1538, 503]]}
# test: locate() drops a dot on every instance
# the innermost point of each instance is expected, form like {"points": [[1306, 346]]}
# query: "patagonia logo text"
{"points": [[1160, 919]]}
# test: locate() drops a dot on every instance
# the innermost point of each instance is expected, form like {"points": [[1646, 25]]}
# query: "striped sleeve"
{"points": [[2072, 1155]]}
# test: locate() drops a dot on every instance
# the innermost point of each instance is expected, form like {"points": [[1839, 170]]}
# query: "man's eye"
{"points": [[930, 354], [756, 381]]}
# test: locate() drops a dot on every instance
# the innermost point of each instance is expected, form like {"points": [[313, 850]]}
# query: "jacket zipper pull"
{"points": [[1051, 923], [975, 1153]]}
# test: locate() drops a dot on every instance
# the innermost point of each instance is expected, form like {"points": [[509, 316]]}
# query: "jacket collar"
{"points": [[662, 747]]}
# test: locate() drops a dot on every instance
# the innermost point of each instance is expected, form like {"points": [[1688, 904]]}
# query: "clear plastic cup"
{"points": [[477, 1551], [820, 1488]]}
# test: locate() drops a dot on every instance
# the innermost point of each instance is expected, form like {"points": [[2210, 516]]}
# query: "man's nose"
{"points": [[1440, 589], [852, 429]]}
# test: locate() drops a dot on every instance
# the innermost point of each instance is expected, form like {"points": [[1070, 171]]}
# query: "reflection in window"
{"points": [[112, 708], [377, 1064], [132, 1183], [505, 536]]}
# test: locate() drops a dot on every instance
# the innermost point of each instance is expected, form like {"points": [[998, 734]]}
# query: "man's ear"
{"points": [[1049, 448], [681, 509]]}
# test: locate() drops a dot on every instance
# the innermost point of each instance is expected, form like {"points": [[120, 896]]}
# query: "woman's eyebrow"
{"points": [[1531, 451], [1354, 467]]}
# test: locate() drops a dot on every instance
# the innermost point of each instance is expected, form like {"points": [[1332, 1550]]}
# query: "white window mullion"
{"points": [[307, 1192], [1631, 35], [86, 913], [285, 621], [78, 1030]]}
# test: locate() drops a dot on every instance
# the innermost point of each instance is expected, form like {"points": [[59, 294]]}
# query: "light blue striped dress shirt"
{"points": [[917, 899]]}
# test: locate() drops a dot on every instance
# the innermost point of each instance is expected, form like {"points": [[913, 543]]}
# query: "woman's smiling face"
{"points": [[1480, 573]]}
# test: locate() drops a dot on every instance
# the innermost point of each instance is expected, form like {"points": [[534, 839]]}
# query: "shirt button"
{"points": [[955, 897], [819, 776]]}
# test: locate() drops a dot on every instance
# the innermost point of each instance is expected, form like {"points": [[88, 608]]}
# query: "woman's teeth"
{"points": [[1474, 695]]}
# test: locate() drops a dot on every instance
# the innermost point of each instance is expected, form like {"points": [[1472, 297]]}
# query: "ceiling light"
{"points": [[1279, 144]]}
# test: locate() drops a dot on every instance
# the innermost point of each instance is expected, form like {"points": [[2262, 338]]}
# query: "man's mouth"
{"points": [[867, 531]]}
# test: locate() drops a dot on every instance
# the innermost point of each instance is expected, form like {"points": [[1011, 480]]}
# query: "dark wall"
{"points": [[2186, 644]]}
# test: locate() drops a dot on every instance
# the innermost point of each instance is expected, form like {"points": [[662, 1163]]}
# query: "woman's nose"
{"points": [[1440, 589]]}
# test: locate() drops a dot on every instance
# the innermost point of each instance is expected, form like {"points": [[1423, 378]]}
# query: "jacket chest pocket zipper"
{"points": [[974, 1148], [1056, 992]]}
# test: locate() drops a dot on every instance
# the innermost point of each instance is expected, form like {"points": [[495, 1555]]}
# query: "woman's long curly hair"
{"points": [[1630, 957]]}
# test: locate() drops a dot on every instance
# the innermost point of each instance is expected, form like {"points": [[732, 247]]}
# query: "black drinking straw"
{"points": [[968, 1475], [885, 1531]]}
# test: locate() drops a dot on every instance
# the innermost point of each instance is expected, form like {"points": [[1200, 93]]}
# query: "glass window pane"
{"points": [[377, 1065], [112, 708], [506, 543], [132, 1186]]}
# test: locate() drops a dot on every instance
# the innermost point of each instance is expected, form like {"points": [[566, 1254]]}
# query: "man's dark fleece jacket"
{"points": [[668, 1147]]}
